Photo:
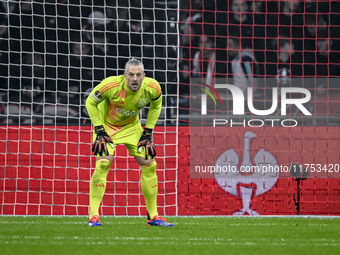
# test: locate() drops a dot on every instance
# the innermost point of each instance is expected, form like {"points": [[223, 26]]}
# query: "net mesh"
{"points": [[259, 45], [52, 54]]}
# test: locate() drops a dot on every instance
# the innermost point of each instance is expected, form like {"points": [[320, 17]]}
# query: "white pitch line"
{"points": [[126, 242], [177, 239]]}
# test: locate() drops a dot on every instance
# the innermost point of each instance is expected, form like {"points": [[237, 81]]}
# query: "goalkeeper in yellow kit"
{"points": [[113, 107]]}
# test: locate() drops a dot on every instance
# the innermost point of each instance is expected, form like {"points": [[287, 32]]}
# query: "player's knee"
{"points": [[143, 162], [103, 165], [151, 167]]}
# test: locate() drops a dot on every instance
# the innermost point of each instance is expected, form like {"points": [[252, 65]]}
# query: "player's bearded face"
{"points": [[134, 77]]}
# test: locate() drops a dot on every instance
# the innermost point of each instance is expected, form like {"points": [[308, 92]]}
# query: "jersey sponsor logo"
{"points": [[123, 112], [253, 183], [97, 96], [121, 102], [142, 102]]}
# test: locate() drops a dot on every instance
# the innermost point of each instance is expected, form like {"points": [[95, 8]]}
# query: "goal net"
{"points": [[230, 50], [52, 54]]}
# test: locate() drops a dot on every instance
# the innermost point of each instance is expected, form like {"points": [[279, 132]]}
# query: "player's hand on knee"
{"points": [[146, 142], [101, 142]]}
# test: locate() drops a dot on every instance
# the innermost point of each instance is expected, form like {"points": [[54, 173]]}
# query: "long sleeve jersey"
{"points": [[112, 103]]}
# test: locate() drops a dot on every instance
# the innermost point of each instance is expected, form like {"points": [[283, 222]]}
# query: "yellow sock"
{"points": [[150, 188], [98, 185]]}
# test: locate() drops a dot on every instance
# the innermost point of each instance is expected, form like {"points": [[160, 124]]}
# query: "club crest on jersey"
{"points": [[142, 102], [97, 96]]}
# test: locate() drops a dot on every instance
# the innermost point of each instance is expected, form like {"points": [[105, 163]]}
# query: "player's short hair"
{"points": [[135, 62]]}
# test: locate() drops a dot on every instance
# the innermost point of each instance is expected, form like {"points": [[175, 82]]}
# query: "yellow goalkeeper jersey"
{"points": [[113, 104]]}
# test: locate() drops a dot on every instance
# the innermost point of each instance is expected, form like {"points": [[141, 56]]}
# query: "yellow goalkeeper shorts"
{"points": [[128, 135]]}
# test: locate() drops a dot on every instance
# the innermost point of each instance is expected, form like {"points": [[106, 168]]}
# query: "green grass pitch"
{"points": [[191, 235]]}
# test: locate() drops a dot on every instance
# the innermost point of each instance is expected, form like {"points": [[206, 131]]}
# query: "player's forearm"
{"points": [[93, 111], [154, 112]]}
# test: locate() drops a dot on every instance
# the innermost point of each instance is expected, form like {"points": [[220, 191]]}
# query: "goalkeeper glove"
{"points": [[100, 144], [146, 142]]}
